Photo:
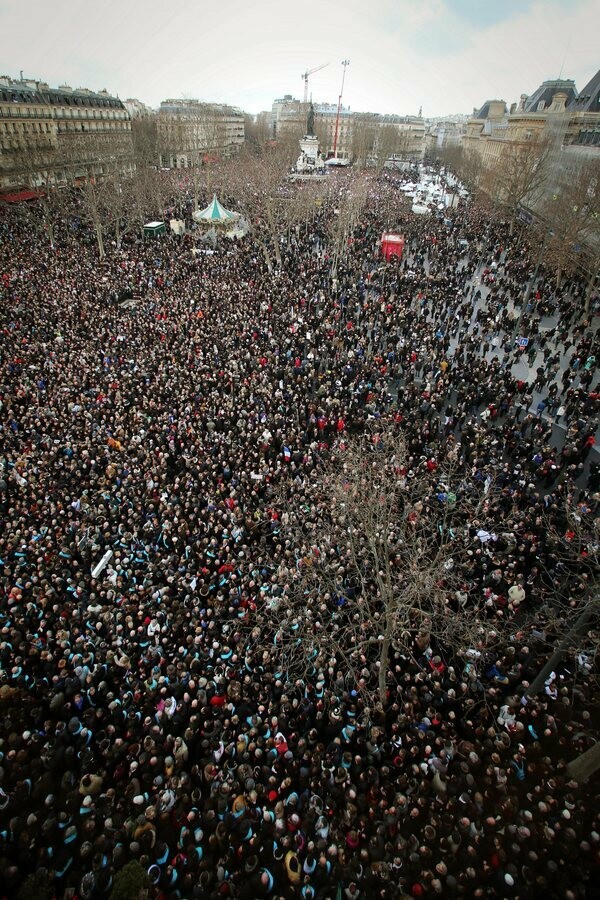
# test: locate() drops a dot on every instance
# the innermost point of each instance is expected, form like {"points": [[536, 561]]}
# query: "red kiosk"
{"points": [[392, 245]]}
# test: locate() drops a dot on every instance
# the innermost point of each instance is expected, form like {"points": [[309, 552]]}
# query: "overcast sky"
{"points": [[444, 55]]}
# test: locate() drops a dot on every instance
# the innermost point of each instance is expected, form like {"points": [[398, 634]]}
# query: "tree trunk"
{"points": [[585, 765], [99, 239], [384, 660], [565, 645], [267, 255], [197, 183], [274, 236]]}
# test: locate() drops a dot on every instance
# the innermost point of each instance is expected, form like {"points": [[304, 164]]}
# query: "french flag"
{"points": [[287, 454]]}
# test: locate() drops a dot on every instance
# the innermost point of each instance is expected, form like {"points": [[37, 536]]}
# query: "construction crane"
{"points": [[305, 77]]}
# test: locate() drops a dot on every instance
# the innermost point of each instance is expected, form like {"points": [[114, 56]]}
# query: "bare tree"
{"points": [[593, 270], [364, 135], [467, 166], [207, 146], [144, 136], [98, 165], [258, 181], [379, 547], [40, 166], [145, 188], [519, 176], [388, 142], [347, 210], [573, 607], [257, 131], [571, 210]]}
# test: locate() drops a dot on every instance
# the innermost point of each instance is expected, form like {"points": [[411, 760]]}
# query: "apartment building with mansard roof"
{"points": [[56, 134]]}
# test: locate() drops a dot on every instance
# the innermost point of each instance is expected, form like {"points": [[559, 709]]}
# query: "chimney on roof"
{"points": [[496, 109]]}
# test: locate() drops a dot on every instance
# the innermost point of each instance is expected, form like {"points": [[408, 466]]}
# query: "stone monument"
{"points": [[310, 161]]}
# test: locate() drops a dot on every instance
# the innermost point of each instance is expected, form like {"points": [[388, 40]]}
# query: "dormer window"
{"points": [[541, 105]]}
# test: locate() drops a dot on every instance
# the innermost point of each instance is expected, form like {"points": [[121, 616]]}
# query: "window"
{"points": [[540, 106]]}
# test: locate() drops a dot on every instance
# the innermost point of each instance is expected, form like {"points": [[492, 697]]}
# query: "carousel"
{"points": [[217, 221]]}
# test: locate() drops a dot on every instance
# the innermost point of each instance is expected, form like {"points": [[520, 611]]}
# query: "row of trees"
{"points": [[374, 142], [112, 189], [113, 179], [560, 190], [98, 181]]}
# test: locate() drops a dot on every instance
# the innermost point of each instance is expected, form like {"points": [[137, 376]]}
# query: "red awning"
{"points": [[20, 196]]}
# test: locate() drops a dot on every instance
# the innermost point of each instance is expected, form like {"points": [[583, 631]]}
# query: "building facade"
{"points": [[188, 130], [137, 109], [287, 115], [325, 119], [486, 124], [53, 135], [556, 112], [400, 137], [443, 133]]}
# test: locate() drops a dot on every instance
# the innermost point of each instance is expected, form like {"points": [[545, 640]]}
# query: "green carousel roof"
{"points": [[214, 212]]}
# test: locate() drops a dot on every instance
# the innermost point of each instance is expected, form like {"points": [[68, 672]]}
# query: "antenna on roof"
{"points": [[564, 58]]}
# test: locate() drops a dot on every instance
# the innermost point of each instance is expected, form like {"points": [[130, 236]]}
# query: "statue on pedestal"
{"points": [[310, 161]]}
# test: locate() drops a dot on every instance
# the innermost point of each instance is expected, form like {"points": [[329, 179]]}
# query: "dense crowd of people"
{"points": [[145, 714]]}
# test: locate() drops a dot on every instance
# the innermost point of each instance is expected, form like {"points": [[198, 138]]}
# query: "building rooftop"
{"points": [[484, 111], [589, 98], [186, 105], [32, 91], [546, 91]]}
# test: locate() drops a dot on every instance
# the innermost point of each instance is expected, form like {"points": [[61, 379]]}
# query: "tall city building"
{"points": [[188, 129], [52, 134]]}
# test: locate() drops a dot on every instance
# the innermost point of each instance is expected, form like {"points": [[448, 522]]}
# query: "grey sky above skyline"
{"points": [[444, 55]]}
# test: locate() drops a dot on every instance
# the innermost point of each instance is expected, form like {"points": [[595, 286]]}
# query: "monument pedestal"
{"points": [[310, 159]]}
